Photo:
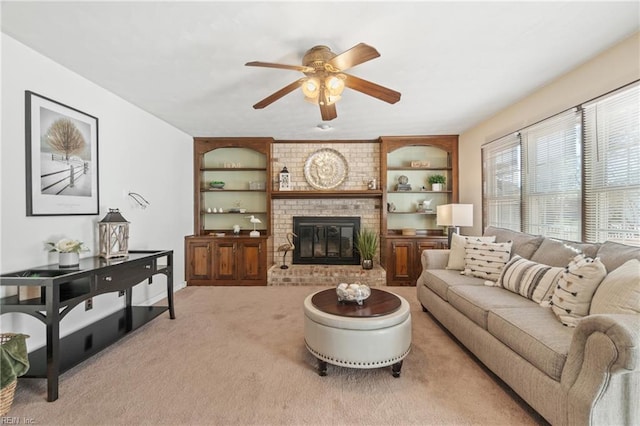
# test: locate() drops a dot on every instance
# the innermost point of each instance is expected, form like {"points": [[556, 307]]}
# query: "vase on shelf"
{"points": [[68, 259]]}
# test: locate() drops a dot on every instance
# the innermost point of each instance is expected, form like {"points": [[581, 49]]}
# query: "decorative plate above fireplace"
{"points": [[326, 169]]}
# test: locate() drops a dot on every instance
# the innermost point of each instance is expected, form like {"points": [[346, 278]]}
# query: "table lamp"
{"points": [[454, 216]]}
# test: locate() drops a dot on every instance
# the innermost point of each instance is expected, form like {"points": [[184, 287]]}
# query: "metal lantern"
{"points": [[285, 180], [113, 235]]}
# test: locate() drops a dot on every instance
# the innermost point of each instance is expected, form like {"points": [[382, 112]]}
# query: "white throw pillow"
{"points": [[619, 292], [486, 260], [579, 280], [532, 280], [457, 251]]}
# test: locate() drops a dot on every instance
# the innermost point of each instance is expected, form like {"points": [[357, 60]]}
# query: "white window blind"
{"points": [[501, 182], [552, 177], [612, 167]]}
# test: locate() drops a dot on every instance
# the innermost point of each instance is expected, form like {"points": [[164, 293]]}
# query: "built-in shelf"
{"points": [[367, 193]]}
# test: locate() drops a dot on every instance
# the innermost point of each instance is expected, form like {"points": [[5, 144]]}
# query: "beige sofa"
{"points": [[589, 374]]}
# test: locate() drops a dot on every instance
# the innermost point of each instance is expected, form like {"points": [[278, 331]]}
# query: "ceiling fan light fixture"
{"points": [[335, 85], [311, 88]]}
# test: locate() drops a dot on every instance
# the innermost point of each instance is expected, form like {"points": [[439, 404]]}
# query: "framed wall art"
{"points": [[61, 159]]}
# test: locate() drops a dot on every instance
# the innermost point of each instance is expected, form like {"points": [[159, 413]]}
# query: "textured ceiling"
{"points": [[455, 63]]}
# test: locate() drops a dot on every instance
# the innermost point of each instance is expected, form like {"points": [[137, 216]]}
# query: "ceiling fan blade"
{"points": [[355, 56], [372, 89], [280, 93], [280, 66]]}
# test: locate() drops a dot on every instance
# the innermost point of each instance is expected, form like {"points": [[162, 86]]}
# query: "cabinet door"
{"points": [[401, 267], [225, 261], [434, 244], [251, 262], [199, 261]]}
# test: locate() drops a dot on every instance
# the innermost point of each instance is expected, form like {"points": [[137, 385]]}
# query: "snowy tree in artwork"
{"points": [[64, 137]]}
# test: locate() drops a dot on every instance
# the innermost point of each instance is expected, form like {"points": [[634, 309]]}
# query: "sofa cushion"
{"points": [[572, 296], [532, 280], [535, 334], [475, 302], [457, 253], [439, 280], [486, 260], [554, 252], [614, 255], [619, 292], [523, 244]]}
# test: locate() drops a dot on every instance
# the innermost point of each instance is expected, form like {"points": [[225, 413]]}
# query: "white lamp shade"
{"points": [[455, 215]]}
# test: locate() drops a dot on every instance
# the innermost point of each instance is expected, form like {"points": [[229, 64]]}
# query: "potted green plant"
{"points": [[437, 182], [367, 245]]}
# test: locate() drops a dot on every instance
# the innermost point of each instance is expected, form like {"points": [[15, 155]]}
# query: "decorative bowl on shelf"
{"points": [[216, 184], [355, 292]]}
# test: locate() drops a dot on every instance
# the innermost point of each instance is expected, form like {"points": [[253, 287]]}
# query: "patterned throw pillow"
{"points": [[457, 251], [579, 280], [486, 260], [532, 280]]}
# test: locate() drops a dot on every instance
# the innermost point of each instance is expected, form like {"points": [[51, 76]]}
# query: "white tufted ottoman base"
{"points": [[369, 342]]}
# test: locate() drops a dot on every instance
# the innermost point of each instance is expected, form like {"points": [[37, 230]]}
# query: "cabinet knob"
{"points": [[108, 278]]}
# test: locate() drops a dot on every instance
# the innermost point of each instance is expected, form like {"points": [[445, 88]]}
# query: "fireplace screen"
{"points": [[326, 240]]}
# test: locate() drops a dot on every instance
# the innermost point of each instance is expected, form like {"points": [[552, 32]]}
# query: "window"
{"points": [[612, 167], [540, 181], [501, 184], [551, 192]]}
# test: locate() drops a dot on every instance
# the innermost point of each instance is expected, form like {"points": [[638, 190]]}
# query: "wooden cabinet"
{"points": [[410, 203], [226, 261], [402, 258], [240, 261], [214, 255], [198, 260]]}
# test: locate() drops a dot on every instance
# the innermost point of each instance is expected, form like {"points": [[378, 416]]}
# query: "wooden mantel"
{"points": [[311, 194]]}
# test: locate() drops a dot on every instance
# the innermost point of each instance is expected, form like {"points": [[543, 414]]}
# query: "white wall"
{"points": [[610, 70], [137, 152]]}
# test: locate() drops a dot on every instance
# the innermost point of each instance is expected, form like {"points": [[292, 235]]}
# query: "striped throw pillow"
{"points": [[486, 260], [532, 280]]}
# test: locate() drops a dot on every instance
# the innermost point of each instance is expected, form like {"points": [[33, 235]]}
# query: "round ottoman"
{"points": [[356, 336]]}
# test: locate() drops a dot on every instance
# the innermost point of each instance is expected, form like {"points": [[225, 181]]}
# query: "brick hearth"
{"points": [[330, 275]]}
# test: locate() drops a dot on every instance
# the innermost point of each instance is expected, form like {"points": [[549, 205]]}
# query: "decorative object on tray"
{"points": [[326, 169], [367, 245], [403, 184], [255, 221], [355, 292], [68, 251], [216, 184], [437, 182]]}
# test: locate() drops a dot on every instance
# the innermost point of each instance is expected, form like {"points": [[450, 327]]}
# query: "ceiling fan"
{"points": [[325, 78]]}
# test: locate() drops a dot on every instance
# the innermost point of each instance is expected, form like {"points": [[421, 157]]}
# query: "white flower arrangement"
{"points": [[66, 245]]}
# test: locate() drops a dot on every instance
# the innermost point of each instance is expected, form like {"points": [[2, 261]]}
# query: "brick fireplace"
{"points": [[363, 158]]}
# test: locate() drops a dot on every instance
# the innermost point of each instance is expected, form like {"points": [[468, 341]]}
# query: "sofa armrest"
{"points": [[602, 369], [434, 259]]}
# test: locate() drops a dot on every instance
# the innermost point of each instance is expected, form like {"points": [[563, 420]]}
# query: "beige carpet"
{"points": [[235, 355]]}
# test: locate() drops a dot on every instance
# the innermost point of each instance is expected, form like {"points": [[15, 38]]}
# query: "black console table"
{"points": [[61, 289]]}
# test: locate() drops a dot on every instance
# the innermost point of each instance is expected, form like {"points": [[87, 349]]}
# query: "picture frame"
{"points": [[62, 173]]}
